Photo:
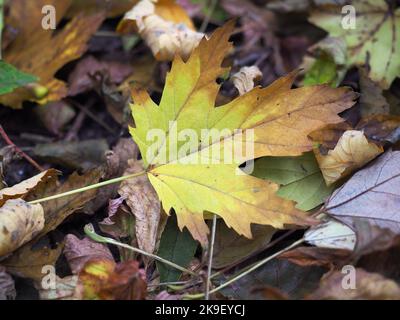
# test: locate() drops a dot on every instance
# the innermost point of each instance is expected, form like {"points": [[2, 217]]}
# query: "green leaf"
{"points": [[371, 40], [300, 177], [322, 71], [11, 78], [176, 246]]}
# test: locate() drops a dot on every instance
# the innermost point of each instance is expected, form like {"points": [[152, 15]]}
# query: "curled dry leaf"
{"points": [[25, 187], [19, 223], [164, 26], [40, 52], [244, 79], [78, 252], [352, 151], [104, 279], [370, 286], [144, 204], [7, 288]]}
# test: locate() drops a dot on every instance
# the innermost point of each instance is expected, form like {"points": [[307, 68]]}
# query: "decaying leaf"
{"points": [[371, 286], [371, 195], [372, 42], [300, 178], [310, 256], [19, 223], [38, 51], [28, 262], [78, 252], [245, 77], [24, 188], [164, 26], [351, 152], [331, 234], [143, 202], [106, 280], [56, 211], [279, 117]]}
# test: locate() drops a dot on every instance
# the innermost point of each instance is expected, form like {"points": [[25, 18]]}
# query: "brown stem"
{"points": [[18, 150]]}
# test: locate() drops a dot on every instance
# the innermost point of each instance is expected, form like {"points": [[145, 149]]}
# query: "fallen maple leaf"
{"points": [[40, 52], [279, 117], [373, 42], [19, 223], [371, 195]]}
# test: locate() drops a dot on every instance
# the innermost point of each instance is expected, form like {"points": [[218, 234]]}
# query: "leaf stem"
{"points": [[246, 271], [89, 231], [90, 187], [210, 257]]}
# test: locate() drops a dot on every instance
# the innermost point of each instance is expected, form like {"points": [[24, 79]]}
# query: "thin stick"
{"points": [[18, 150], [210, 257], [92, 186], [89, 231], [208, 16], [246, 272]]}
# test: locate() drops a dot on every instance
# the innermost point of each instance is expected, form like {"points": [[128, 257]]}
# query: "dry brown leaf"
{"points": [[78, 252], [28, 262], [368, 286], [42, 52], [19, 223], [244, 79], [351, 152], [24, 188], [164, 26], [144, 204], [57, 210], [313, 256]]}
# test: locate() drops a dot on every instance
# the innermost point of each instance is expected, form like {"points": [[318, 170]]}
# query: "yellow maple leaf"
{"points": [[43, 52], [274, 120]]}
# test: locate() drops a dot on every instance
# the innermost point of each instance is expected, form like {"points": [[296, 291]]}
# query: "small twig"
{"points": [[89, 231], [210, 256], [246, 271], [208, 16], [76, 126], [18, 150], [91, 115], [90, 187]]}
